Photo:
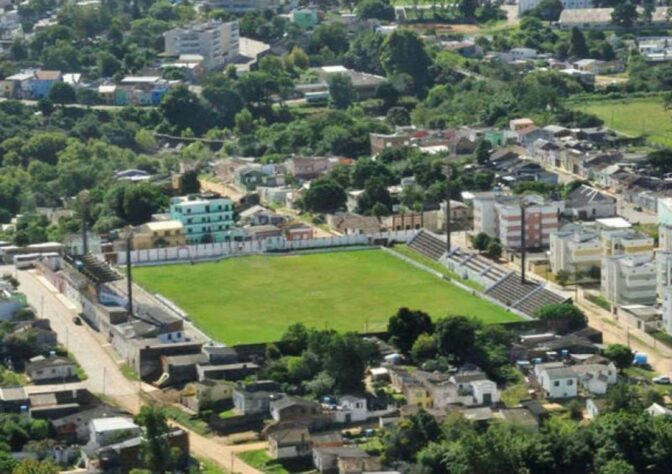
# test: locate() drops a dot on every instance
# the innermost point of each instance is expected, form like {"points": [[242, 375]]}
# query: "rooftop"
{"points": [[113, 423]]}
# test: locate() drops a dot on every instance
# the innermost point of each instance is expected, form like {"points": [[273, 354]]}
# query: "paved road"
{"points": [[102, 368]]}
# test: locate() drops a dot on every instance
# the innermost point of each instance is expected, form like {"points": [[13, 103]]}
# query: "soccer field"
{"points": [[254, 299], [636, 116]]}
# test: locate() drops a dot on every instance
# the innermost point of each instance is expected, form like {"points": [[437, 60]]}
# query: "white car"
{"points": [[662, 380]]}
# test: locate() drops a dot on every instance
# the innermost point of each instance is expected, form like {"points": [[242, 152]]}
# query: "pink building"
{"points": [[541, 219]]}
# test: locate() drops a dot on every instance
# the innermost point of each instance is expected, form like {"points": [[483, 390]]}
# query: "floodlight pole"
{"points": [[448, 172], [522, 240], [84, 202], [129, 272]]}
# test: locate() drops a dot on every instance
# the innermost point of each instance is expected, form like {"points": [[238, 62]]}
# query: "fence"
{"points": [[225, 249]]}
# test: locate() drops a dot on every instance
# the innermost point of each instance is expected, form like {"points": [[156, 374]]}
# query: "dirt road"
{"points": [[103, 369]]}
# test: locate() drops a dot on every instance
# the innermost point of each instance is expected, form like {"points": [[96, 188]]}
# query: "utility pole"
{"points": [[522, 240], [84, 202], [447, 170]]}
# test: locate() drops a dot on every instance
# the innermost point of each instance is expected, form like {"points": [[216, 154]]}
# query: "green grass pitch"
{"points": [[253, 299]]}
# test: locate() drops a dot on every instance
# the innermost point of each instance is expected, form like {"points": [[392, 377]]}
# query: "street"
{"points": [[97, 359]]}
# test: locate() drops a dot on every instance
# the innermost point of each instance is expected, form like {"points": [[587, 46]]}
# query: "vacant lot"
{"points": [[253, 299], [639, 116]]}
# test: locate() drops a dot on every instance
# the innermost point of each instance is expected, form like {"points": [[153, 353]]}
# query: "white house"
{"points": [[42, 369], [351, 409], [596, 378], [103, 431], [485, 392], [559, 382]]}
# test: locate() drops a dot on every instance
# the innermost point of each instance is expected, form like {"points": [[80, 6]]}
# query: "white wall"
{"points": [[216, 250]]}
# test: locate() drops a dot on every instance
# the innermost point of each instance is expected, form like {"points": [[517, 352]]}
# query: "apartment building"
{"points": [[629, 279], [205, 218], [244, 6], [485, 216], [217, 42], [575, 248]]}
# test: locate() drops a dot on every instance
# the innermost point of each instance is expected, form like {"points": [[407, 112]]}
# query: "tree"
{"points": [[424, 347], [325, 196], [562, 277], [183, 109], [564, 314], [403, 52], [406, 326], [62, 93], [577, 44], [481, 241], [376, 199], [33, 466], [295, 339], [494, 250], [376, 9], [156, 453], [456, 336], [405, 439], [364, 53], [398, 116], [341, 91], [45, 106], [345, 360], [547, 10], [624, 14], [620, 355], [331, 36], [483, 151], [617, 466], [189, 184]]}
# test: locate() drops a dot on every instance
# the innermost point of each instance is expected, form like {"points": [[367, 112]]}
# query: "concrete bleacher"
{"points": [[428, 245], [526, 297], [537, 299]]}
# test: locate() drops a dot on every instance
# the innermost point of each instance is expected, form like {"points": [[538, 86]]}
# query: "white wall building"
{"points": [[629, 279], [667, 308], [217, 42], [105, 430], [485, 217], [560, 382], [575, 248], [243, 6], [525, 5]]}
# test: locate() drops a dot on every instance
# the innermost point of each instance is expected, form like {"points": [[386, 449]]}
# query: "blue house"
{"points": [[43, 82]]}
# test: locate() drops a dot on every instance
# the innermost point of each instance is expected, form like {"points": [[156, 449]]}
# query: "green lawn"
{"points": [[254, 299], [637, 116], [261, 461]]}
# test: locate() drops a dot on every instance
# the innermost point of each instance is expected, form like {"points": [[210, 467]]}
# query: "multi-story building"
{"points": [[244, 6], [501, 216], [159, 234], [205, 218], [665, 223], [485, 216], [667, 308], [627, 242], [216, 41], [664, 267], [575, 248], [629, 279], [525, 5], [541, 218]]}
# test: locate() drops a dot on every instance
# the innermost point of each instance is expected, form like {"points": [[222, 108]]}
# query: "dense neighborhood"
{"points": [[374, 236]]}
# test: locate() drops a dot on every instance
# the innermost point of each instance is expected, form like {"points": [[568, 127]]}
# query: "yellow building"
{"points": [[158, 235]]}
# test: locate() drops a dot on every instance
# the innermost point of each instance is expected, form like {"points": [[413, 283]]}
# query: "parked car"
{"points": [[662, 380]]}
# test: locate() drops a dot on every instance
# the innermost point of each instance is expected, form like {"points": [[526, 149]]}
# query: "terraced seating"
{"points": [[537, 299], [428, 245], [510, 290]]}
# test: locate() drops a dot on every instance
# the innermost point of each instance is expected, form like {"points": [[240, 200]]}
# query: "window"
{"points": [[556, 383], [570, 382]]}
